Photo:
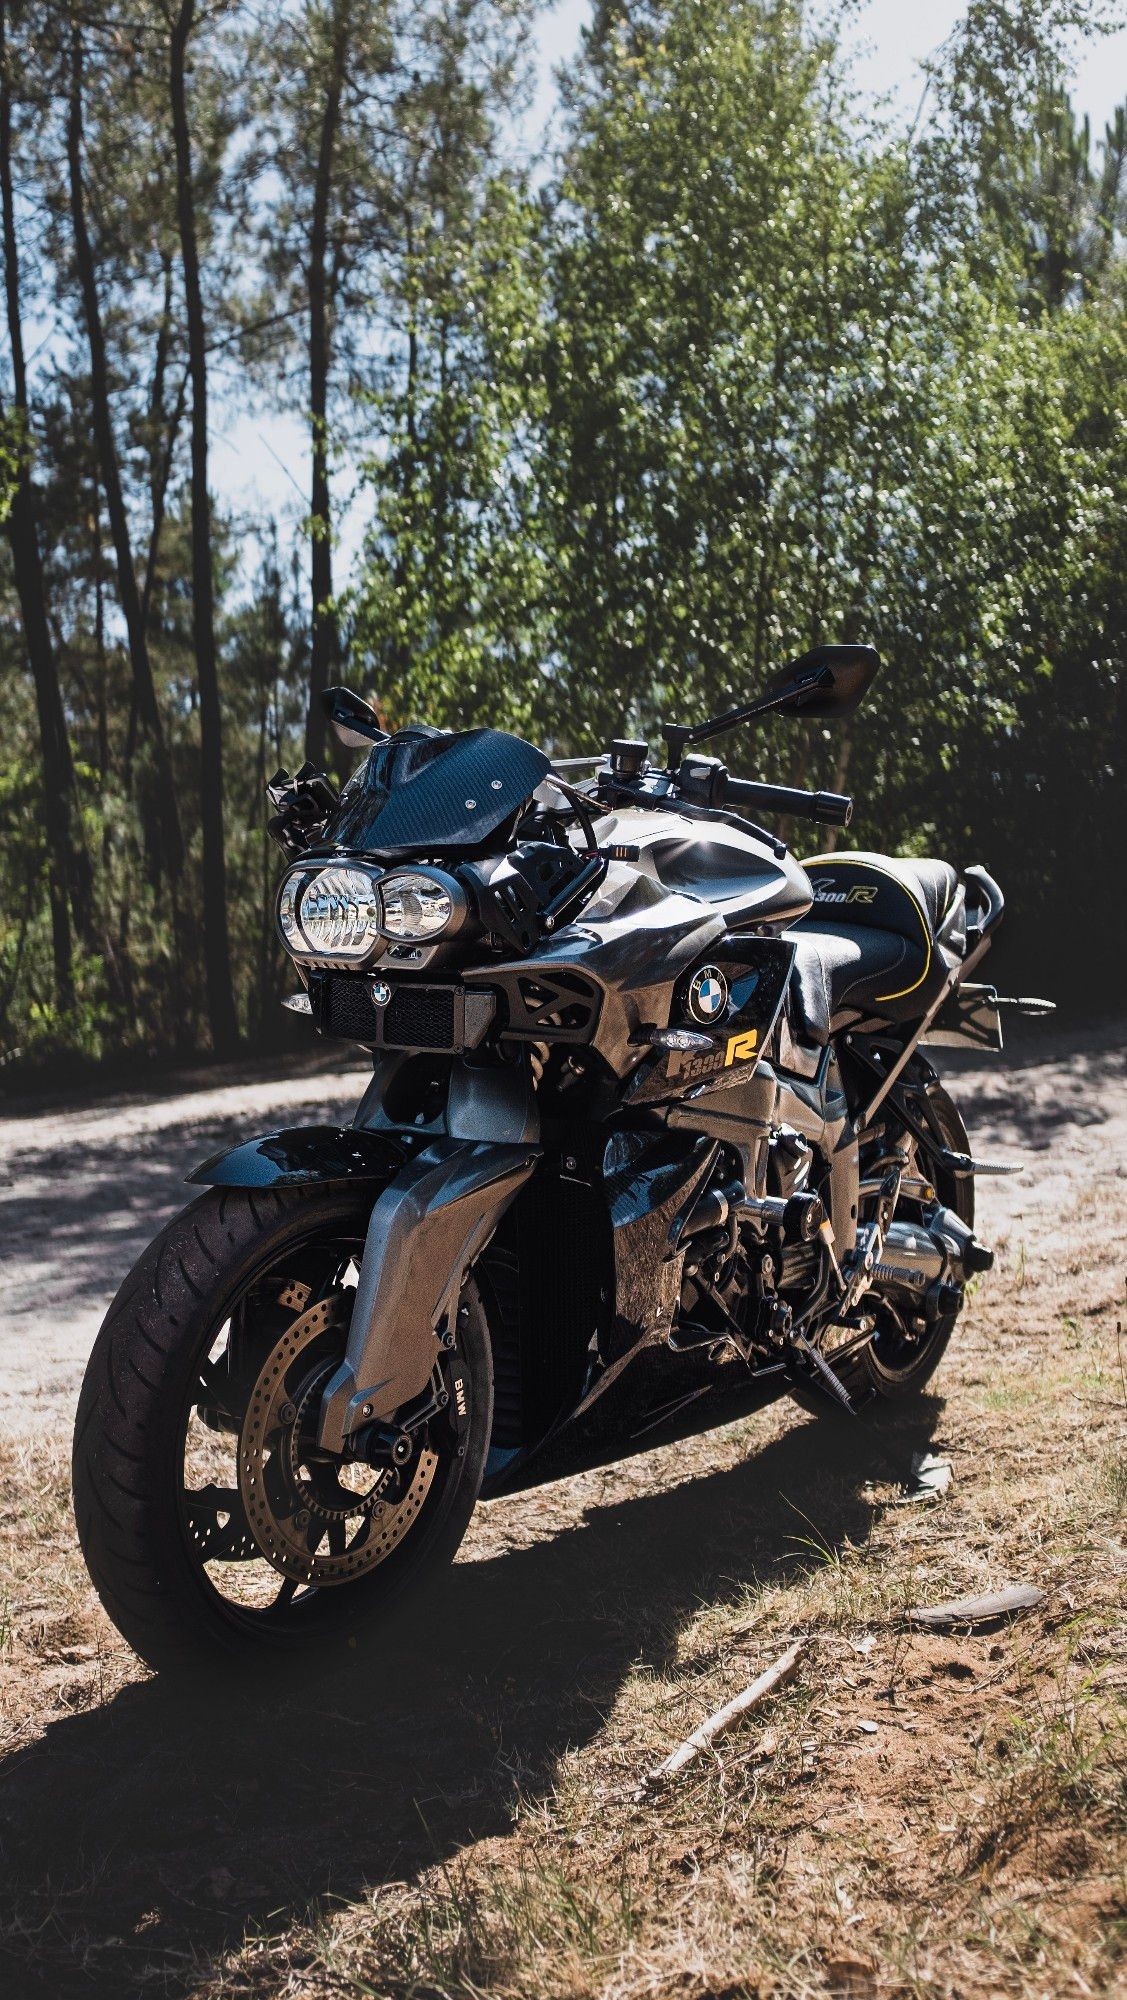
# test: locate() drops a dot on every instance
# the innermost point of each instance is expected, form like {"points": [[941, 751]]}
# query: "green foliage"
{"points": [[449, 617], [750, 371], [772, 375]]}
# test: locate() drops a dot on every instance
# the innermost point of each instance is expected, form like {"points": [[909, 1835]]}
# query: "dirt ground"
{"points": [[457, 1813]]}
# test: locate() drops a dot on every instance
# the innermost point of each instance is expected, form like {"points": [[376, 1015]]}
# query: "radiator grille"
{"points": [[420, 1017], [416, 1017], [349, 1012]]}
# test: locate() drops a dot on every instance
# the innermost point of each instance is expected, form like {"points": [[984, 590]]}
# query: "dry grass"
{"points": [[916, 1815]]}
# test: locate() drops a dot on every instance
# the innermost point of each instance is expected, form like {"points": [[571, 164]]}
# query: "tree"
{"points": [[68, 878], [166, 808], [326, 72], [450, 616], [216, 943], [379, 121]]}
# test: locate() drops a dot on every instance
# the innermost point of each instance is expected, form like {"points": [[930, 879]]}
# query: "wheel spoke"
{"points": [[216, 1385], [215, 1540]]}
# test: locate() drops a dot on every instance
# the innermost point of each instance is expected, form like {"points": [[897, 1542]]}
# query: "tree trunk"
{"points": [[216, 945], [164, 431], [171, 841], [68, 871], [325, 650]]}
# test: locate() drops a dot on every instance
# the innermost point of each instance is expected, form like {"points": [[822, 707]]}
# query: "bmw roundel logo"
{"points": [[708, 995], [380, 992]]}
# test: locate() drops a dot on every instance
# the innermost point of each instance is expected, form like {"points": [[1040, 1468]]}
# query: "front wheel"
{"points": [[214, 1527]]}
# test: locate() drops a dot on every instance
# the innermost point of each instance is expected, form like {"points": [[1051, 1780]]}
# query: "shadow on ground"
{"points": [[140, 1839], [1049, 1074], [81, 1211]]}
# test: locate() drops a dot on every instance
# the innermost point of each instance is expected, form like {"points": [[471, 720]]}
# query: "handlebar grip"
{"points": [[833, 808], [828, 808]]}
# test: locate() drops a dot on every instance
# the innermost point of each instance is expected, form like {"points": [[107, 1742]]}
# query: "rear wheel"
{"points": [[901, 1359], [213, 1525]]}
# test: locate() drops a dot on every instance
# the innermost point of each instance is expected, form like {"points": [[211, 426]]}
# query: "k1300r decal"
{"points": [[827, 890], [743, 1047]]}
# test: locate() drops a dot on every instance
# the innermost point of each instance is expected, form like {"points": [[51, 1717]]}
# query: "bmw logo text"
{"points": [[380, 992], [708, 995]]}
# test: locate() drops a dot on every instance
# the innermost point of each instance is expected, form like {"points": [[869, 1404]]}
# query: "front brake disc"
{"points": [[293, 1493]]}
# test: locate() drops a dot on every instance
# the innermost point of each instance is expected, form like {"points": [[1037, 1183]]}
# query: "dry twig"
{"points": [[715, 1724]]}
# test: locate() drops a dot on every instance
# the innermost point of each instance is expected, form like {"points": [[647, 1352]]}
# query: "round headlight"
{"points": [[415, 906], [333, 914]]}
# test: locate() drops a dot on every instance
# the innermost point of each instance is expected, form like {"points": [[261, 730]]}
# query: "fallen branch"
{"points": [[716, 1724]]}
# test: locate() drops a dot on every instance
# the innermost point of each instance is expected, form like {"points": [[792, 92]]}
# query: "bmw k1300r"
{"points": [[650, 1137]]}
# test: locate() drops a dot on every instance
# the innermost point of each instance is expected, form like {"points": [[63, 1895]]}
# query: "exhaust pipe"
{"points": [[942, 1249]]}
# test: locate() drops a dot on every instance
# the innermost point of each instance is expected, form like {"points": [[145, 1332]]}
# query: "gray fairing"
{"points": [[630, 947], [426, 1230], [438, 1196]]}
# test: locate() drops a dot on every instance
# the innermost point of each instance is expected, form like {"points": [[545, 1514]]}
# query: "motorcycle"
{"points": [[651, 1137]]}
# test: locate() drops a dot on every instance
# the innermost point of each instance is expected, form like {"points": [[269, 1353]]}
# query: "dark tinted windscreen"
{"points": [[422, 791]]}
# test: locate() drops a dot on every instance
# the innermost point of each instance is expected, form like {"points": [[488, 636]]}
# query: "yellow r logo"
{"points": [[741, 1047]]}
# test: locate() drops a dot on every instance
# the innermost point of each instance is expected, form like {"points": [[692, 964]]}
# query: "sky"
{"points": [[259, 460]]}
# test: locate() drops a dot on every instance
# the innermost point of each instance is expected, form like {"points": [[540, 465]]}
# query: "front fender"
{"points": [[303, 1156], [426, 1229]]}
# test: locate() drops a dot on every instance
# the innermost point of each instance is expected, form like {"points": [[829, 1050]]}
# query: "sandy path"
{"points": [[83, 1189]]}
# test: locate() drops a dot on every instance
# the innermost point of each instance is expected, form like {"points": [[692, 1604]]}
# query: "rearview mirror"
{"points": [[827, 681], [354, 720]]}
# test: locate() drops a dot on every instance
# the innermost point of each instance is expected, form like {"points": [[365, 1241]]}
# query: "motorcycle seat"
{"points": [[878, 939], [838, 967], [891, 892]]}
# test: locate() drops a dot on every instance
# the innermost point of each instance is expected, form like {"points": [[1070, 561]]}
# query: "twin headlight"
{"points": [[339, 912]]}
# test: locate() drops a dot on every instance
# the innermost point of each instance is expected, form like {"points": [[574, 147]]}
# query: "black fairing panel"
{"points": [[757, 971], [650, 1180], [302, 1156], [425, 790]]}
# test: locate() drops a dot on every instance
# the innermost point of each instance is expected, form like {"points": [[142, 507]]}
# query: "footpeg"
{"points": [[833, 1382], [961, 1164]]}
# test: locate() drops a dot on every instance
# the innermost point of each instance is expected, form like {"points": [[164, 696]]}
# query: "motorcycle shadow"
{"points": [[141, 1839]]}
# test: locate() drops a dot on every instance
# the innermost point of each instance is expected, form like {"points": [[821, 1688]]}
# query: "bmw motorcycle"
{"points": [[651, 1137]]}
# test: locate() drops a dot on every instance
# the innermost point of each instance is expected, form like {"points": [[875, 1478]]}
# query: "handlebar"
{"points": [[828, 808], [707, 781]]}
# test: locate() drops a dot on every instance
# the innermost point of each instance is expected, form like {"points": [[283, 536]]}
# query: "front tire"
{"points": [[177, 1564]]}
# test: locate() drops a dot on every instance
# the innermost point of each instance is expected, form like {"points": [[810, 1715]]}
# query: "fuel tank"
{"points": [[735, 874]]}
